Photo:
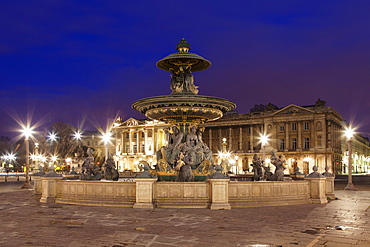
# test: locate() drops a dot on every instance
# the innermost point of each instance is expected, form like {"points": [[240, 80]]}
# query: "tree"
{"points": [[65, 143]]}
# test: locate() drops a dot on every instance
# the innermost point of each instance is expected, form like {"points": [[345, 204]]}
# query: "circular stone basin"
{"points": [[183, 108]]}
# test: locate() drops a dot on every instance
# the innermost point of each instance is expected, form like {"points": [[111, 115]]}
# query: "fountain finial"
{"points": [[183, 46]]}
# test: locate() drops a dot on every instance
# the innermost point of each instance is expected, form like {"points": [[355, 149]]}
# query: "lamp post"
{"points": [[264, 140], [27, 132], [106, 139], [349, 134], [37, 158]]}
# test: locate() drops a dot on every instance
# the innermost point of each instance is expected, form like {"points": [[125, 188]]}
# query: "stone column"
{"points": [[312, 138], [230, 140], [219, 193], [286, 147], [240, 138], [251, 139], [220, 137], [299, 139], [49, 189], [317, 189], [124, 149], [130, 142], [144, 192], [146, 142], [138, 138]]}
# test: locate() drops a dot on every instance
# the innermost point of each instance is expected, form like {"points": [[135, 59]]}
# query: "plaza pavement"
{"points": [[26, 222]]}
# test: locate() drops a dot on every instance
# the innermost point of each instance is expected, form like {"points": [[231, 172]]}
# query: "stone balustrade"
{"points": [[214, 193]]}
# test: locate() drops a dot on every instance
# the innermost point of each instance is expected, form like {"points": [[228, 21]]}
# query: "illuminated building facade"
{"points": [[306, 135]]}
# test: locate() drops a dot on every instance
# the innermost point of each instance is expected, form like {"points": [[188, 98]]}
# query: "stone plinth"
{"points": [[37, 185], [219, 194], [144, 192], [181, 194], [268, 193], [329, 187], [96, 193], [49, 189], [317, 189]]}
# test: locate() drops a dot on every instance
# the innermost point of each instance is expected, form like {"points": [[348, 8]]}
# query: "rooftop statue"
{"points": [[181, 65]]}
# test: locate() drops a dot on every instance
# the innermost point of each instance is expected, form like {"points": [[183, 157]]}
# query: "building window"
{"points": [[142, 134], [135, 148], [282, 127], [127, 148], [294, 143], [88, 143], [135, 135], [306, 143], [127, 135], [143, 148], [294, 126], [306, 125], [282, 144], [249, 130]]}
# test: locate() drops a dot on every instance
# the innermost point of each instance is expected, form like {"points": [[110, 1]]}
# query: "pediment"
{"points": [[292, 110], [131, 122]]}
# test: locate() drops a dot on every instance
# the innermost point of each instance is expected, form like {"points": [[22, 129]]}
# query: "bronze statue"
{"points": [[110, 172]]}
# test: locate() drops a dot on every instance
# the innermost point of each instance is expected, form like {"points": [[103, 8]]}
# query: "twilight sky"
{"points": [[82, 62]]}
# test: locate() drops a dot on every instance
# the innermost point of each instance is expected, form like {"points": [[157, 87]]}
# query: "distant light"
{"points": [[27, 132], [349, 132], [53, 137], [77, 135], [264, 139], [106, 137]]}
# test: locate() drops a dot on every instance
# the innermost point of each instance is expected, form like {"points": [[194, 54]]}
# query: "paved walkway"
{"points": [[26, 222]]}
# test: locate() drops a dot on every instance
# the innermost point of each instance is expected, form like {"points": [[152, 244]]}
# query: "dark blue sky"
{"points": [[75, 60]]}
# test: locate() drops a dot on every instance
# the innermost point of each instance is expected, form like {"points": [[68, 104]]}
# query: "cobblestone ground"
{"points": [[26, 222]]}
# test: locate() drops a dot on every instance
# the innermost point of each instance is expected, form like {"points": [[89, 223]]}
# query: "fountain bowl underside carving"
{"points": [[183, 108]]}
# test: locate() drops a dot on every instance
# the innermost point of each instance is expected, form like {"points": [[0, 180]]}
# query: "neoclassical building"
{"points": [[137, 140], [305, 135]]}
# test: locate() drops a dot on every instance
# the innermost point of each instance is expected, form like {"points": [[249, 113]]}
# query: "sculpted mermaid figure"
{"points": [[280, 165]]}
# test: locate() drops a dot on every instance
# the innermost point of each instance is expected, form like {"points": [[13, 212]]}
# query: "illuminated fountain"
{"points": [[185, 158], [185, 155]]}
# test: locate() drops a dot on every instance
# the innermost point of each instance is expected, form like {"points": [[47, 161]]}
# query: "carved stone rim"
{"points": [[146, 104]]}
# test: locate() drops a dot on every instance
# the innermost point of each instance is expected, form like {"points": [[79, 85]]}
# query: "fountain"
{"points": [[185, 156]]}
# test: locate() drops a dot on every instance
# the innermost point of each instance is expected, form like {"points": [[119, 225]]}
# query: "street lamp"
{"points": [[27, 132], [106, 139], [77, 135], [37, 164], [264, 140], [349, 134]]}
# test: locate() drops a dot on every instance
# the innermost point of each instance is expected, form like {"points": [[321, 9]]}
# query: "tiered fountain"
{"points": [[185, 155]]}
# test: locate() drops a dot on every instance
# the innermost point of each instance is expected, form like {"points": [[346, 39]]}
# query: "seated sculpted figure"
{"points": [[193, 147], [171, 150]]}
